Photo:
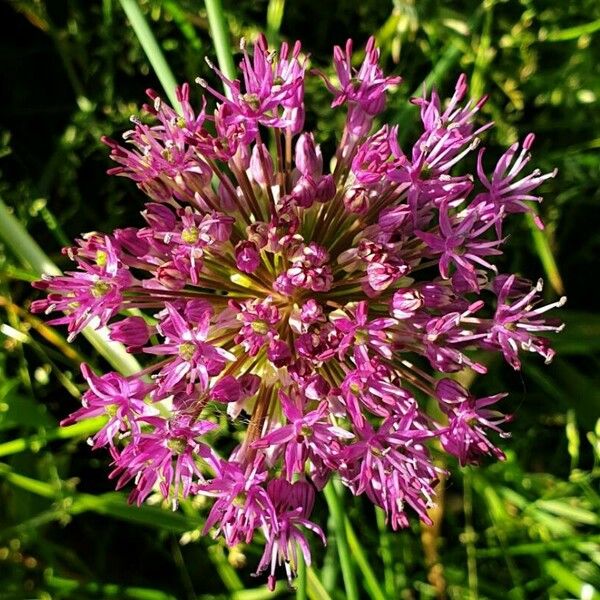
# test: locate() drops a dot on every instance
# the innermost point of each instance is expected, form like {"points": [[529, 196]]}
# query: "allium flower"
{"points": [[309, 302]]}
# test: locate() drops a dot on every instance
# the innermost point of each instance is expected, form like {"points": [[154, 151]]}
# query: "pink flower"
{"points": [[504, 191], [458, 245], [293, 504], [307, 436], [194, 359], [364, 88], [242, 504], [315, 307], [515, 325], [166, 456], [121, 399], [93, 292], [468, 420]]}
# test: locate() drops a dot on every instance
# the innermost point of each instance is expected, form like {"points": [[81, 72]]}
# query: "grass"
{"points": [[526, 528]]}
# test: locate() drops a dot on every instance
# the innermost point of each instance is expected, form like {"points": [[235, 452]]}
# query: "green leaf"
{"points": [[152, 49], [103, 590], [569, 581], [567, 509]]}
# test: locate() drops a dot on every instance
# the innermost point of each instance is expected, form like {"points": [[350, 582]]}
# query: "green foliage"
{"points": [[526, 528]]}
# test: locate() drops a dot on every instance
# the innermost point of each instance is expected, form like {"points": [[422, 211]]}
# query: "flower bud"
{"points": [[228, 201], [129, 241], [227, 389], [405, 303], [261, 165], [305, 192], [131, 331], [279, 353], [247, 257], [356, 200], [308, 157], [326, 188]]}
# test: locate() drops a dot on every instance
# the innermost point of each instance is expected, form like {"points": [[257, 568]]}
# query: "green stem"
{"points": [[386, 553], [274, 18], [220, 36], [469, 535], [301, 578], [151, 48], [36, 442], [358, 553], [23, 245], [315, 588], [334, 503], [29, 252], [570, 581], [545, 254]]}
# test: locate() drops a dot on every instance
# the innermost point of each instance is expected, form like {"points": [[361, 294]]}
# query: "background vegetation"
{"points": [[72, 70]]}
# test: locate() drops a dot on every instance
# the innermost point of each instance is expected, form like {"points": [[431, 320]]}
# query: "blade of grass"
{"points": [[315, 588], [112, 504], [226, 572], [469, 534], [569, 581], [103, 590], [301, 578], [545, 254], [482, 56], [330, 566], [261, 593], [28, 251], [386, 553], [370, 579], [572, 33], [151, 48], [536, 548], [23, 245], [220, 36], [334, 502], [274, 18], [48, 333], [449, 57], [36, 442], [180, 17]]}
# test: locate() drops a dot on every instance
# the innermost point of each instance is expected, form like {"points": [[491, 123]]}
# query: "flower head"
{"points": [[306, 301]]}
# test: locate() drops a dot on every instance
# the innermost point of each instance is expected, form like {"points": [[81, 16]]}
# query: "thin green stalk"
{"points": [[220, 36], [301, 578], [315, 590], [23, 245], [151, 48], [537, 548], [331, 566], [226, 572], [469, 535], [187, 29], [334, 503], [572, 33], [570, 581], [371, 583], [274, 18], [29, 252], [36, 442], [545, 254], [104, 590], [386, 553]]}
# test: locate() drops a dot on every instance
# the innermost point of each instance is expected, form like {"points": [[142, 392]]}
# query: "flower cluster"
{"points": [[321, 311]]}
